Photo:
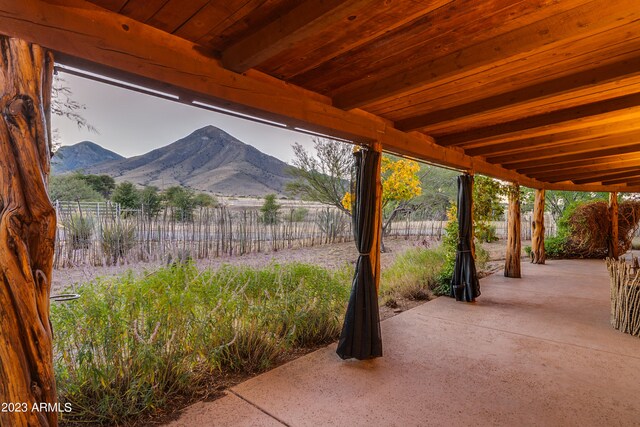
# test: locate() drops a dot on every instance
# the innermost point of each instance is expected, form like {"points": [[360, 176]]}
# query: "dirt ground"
{"points": [[330, 256]]}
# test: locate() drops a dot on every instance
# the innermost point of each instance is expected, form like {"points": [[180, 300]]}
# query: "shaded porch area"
{"points": [[538, 350]]}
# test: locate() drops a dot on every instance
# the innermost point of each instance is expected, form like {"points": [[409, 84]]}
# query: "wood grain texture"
{"points": [[578, 23], [514, 246], [27, 232], [585, 86], [585, 145], [538, 255], [302, 22]]}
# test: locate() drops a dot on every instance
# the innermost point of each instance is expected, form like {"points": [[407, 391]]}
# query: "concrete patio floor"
{"points": [[532, 351]]}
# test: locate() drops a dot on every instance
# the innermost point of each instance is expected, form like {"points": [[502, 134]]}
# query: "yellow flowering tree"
{"points": [[400, 184]]}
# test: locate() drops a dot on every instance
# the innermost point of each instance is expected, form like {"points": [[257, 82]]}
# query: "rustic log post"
{"points": [[512, 261], [538, 255], [614, 241], [27, 232], [377, 240]]}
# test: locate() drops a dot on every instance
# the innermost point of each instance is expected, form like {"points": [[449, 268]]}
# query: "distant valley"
{"points": [[208, 159]]}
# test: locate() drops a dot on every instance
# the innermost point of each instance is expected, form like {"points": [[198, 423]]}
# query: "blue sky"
{"points": [[131, 123]]}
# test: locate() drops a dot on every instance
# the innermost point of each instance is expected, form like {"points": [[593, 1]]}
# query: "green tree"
{"points": [[557, 202], [439, 191], [203, 200], [270, 210], [488, 197], [150, 201], [182, 200], [127, 195], [324, 177], [103, 184], [72, 188]]}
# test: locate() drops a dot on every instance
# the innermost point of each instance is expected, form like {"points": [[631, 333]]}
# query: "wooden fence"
{"points": [[104, 234]]}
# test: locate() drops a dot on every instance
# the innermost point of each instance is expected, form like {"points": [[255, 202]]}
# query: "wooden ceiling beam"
{"points": [[548, 139], [624, 180], [558, 160], [598, 79], [580, 21], [616, 178], [618, 120], [574, 147], [584, 172], [618, 105], [303, 21], [602, 162]]}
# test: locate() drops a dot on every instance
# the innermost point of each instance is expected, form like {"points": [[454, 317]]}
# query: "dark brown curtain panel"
{"points": [[360, 337], [464, 283]]}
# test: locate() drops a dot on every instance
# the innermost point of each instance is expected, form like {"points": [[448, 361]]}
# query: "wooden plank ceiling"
{"points": [[544, 92]]}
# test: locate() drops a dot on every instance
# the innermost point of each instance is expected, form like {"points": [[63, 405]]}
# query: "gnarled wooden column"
{"points": [[537, 229], [512, 261], [613, 215], [27, 232]]}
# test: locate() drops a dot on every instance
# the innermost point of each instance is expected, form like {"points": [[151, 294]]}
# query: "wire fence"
{"points": [[103, 234]]}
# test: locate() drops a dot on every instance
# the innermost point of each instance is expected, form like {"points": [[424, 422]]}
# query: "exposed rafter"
{"points": [[616, 178], [586, 147], [563, 89], [306, 19], [559, 160], [603, 162], [551, 139], [557, 117], [587, 18], [584, 172]]}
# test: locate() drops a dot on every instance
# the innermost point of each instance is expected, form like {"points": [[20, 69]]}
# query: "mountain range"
{"points": [[209, 159], [80, 156]]}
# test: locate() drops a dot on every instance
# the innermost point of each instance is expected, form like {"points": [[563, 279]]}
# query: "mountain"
{"points": [[80, 156], [209, 160]]}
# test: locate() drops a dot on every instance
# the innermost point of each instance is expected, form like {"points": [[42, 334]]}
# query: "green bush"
{"points": [[555, 247], [270, 210], [118, 238], [485, 233], [413, 274], [131, 345], [78, 230]]}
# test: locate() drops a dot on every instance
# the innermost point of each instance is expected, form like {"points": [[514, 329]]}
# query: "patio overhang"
{"points": [[546, 95], [541, 93]]}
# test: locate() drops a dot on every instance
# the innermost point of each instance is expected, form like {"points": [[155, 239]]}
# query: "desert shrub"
{"points": [[298, 214], [270, 210], [78, 230], [117, 239], [413, 275], [584, 230], [332, 223], [555, 247], [131, 345], [485, 232]]}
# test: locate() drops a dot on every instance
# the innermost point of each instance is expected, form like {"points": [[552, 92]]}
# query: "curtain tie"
{"points": [[364, 253]]}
